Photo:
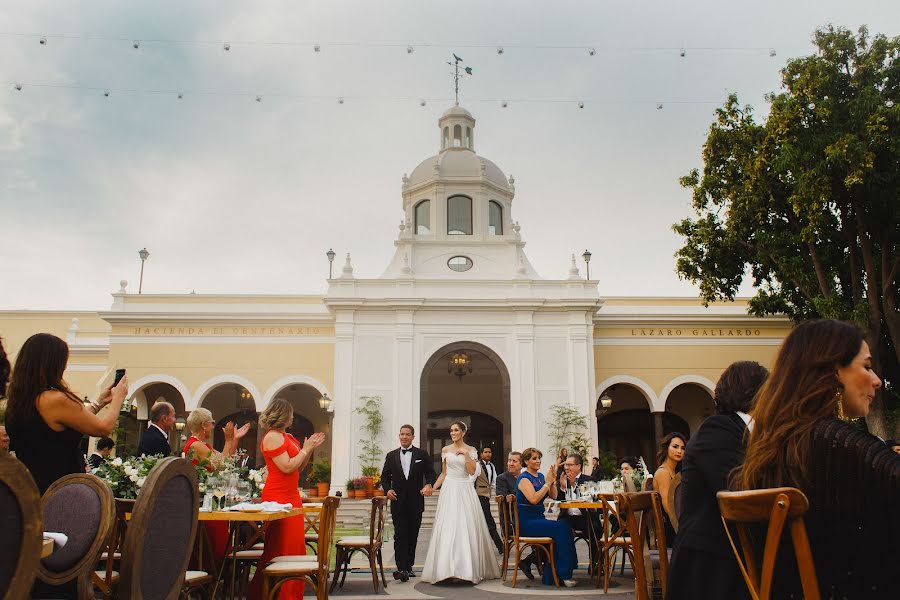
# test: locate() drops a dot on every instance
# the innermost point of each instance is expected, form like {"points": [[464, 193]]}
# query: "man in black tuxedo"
{"points": [[701, 548], [156, 439], [407, 478], [571, 477]]}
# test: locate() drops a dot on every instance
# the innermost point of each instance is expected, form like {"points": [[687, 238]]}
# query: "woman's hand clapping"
{"points": [[313, 442]]}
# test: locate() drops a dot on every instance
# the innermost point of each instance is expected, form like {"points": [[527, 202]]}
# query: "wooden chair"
{"points": [[80, 506], [311, 533], [613, 541], [369, 545], [21, 528], [505, 529], [642, 515], [776, 506], [161, 533], [107, 578], [520, 542], [313, 569]]}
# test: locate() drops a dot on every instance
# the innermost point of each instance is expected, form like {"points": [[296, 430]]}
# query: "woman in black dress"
{"points": [[45, 419], [801, 438]]}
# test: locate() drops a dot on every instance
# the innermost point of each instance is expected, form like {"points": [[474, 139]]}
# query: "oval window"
{"points": [[460, 263]]}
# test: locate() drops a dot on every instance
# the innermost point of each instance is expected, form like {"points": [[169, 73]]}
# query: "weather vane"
{"points": [[456, 67]]}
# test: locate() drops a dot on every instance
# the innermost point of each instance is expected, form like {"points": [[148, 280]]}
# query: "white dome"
{"points": [[458, 165], [457, 111]]}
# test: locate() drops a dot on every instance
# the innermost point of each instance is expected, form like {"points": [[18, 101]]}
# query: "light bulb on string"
{"points": [[682, 52], [317, 48], [226, 46], [772, 52], [500, 50], [180, 96], [592, 51], [43, 41], [18, 87], [259, 98], [106, 93], [136, 44], [580, 104], [422, 102], [659, 106], [504, 104], [410, 49], [341, 100]]}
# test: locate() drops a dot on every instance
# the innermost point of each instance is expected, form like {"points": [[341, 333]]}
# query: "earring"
{"points": [[839, 396]]}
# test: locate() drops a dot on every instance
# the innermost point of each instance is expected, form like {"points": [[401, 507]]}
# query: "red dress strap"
{"points": [[285, 447]]}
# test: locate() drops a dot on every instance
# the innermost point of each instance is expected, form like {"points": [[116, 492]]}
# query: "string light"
{"points": [[136, 44], [504, 104], [422, 102], [772, 52], [259, 98], [340, 100], [592, 51], [18, 87], [106, 94], [500, 50], [43, 41], [580, 104], [409, 49], [317, 48], [659, 106], [226, 47], [682, 53]]}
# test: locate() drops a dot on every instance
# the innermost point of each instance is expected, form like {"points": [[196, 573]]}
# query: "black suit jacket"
{"points": [[711, 454], [153, 442], [506, 484], [421, 472]]}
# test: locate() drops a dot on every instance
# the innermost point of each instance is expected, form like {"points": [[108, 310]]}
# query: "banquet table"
{"points": [[599, 542], [233, 517]]}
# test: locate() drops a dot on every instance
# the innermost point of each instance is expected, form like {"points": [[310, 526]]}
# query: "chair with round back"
{"points": [[161, 533], [81, 507], [20, 529]]}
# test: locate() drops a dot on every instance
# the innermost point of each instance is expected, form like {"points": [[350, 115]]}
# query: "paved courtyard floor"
{"points": [[359, 582]]}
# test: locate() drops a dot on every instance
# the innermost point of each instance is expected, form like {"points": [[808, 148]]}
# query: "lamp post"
{"points": [[144, 256], [587, 262], [330, 254]]}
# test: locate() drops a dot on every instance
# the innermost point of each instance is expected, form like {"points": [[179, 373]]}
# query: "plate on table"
{"points": [[252, 509]]}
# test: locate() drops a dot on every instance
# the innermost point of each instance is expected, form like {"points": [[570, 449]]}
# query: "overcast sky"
{"points": [[231, 195]]}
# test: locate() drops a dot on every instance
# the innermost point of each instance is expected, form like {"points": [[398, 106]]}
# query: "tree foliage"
{"points": [[807, 200], [370, 408], [568, 429]]}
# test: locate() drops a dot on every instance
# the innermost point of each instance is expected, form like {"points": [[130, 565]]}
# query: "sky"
{"points": [[234, 195]]}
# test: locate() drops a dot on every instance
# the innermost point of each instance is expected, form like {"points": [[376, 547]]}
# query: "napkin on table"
{"points": [[59, 539]]}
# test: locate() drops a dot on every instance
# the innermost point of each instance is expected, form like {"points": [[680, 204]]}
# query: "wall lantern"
{"points": [[605, 404], [325, 402]]}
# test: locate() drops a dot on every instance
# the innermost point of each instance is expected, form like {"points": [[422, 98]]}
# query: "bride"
{"points": [[460, 547]]}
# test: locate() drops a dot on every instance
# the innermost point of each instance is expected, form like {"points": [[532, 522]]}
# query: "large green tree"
{"points": [[807, 201]]}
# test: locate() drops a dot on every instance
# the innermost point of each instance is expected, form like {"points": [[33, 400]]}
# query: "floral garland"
{"points": [[126, 476]]}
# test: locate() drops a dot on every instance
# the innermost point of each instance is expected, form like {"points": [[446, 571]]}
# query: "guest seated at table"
{"points": [[703, 565], [104, 448], [155, 439], [576, 518], [596, 474], [800, 437], [668, 477], [45, 419], [285, 458], [628, 467], [197, 448], [531, 491], [506, 482]]}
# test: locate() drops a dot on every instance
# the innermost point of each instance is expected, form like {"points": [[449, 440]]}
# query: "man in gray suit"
{"points": [[484, 487], [506, 483]]}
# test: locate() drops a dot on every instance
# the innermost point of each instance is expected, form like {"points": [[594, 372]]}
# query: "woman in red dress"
{"points": [[201, 424], [285, 458]]}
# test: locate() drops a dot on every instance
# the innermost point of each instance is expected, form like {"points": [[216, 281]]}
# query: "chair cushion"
{"points": [[283, 568], [105, 555], [355, 540], [296, 558], [101, 575], [196, 577], [249, 554], [166, 542], [74, 510], [259, 546], [535, 540], [312, 537]]}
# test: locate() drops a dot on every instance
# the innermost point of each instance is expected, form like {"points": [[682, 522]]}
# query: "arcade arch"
{"points": [[149, 391], [480, 397]]}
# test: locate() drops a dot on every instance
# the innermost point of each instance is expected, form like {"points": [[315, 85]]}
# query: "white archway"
{"points": [[138, 386], [209, 384], [640, 384], [290, 380], [709, 386]]}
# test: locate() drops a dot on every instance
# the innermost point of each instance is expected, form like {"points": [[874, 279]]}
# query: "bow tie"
{"points": [[405, 450]]}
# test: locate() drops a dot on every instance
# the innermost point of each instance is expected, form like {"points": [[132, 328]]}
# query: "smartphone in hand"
{"points": [[120, 373]]}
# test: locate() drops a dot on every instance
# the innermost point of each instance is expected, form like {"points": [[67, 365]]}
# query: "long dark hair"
{"points": [[801, 391], [4, 370], [664, 443], [39, 367]]}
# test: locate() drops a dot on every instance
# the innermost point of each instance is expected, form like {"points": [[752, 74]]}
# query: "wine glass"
{"points": [[219, 488], [244, 491]]}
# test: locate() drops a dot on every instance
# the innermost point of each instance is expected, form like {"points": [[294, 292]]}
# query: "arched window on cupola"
{"points": [[446, 140], [459, 215], [469, 138], [457, 136], [495, 218], [423, 217]]}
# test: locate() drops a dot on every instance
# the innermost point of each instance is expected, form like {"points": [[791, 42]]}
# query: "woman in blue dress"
{"points": [[531, 490]]}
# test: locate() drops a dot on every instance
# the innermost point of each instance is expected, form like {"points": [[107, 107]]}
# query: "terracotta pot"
{"points": [[370, 493], [370, 484], [322, 489], [378, 492]]}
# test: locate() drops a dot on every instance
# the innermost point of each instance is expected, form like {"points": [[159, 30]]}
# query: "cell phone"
{"points": [[120, 373]]}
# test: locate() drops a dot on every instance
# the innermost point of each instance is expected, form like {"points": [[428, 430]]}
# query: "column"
{"points": [[342, 441], [526, 419], [405, 407], [658, 427]]}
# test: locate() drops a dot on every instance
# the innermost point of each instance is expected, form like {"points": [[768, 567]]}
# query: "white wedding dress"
{"points": [[460, 546]]}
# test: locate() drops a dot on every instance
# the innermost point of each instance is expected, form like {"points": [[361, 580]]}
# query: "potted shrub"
{"points": [[359, 484], [351, 491], [320, 476], [376, 482], [370, 450]]}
